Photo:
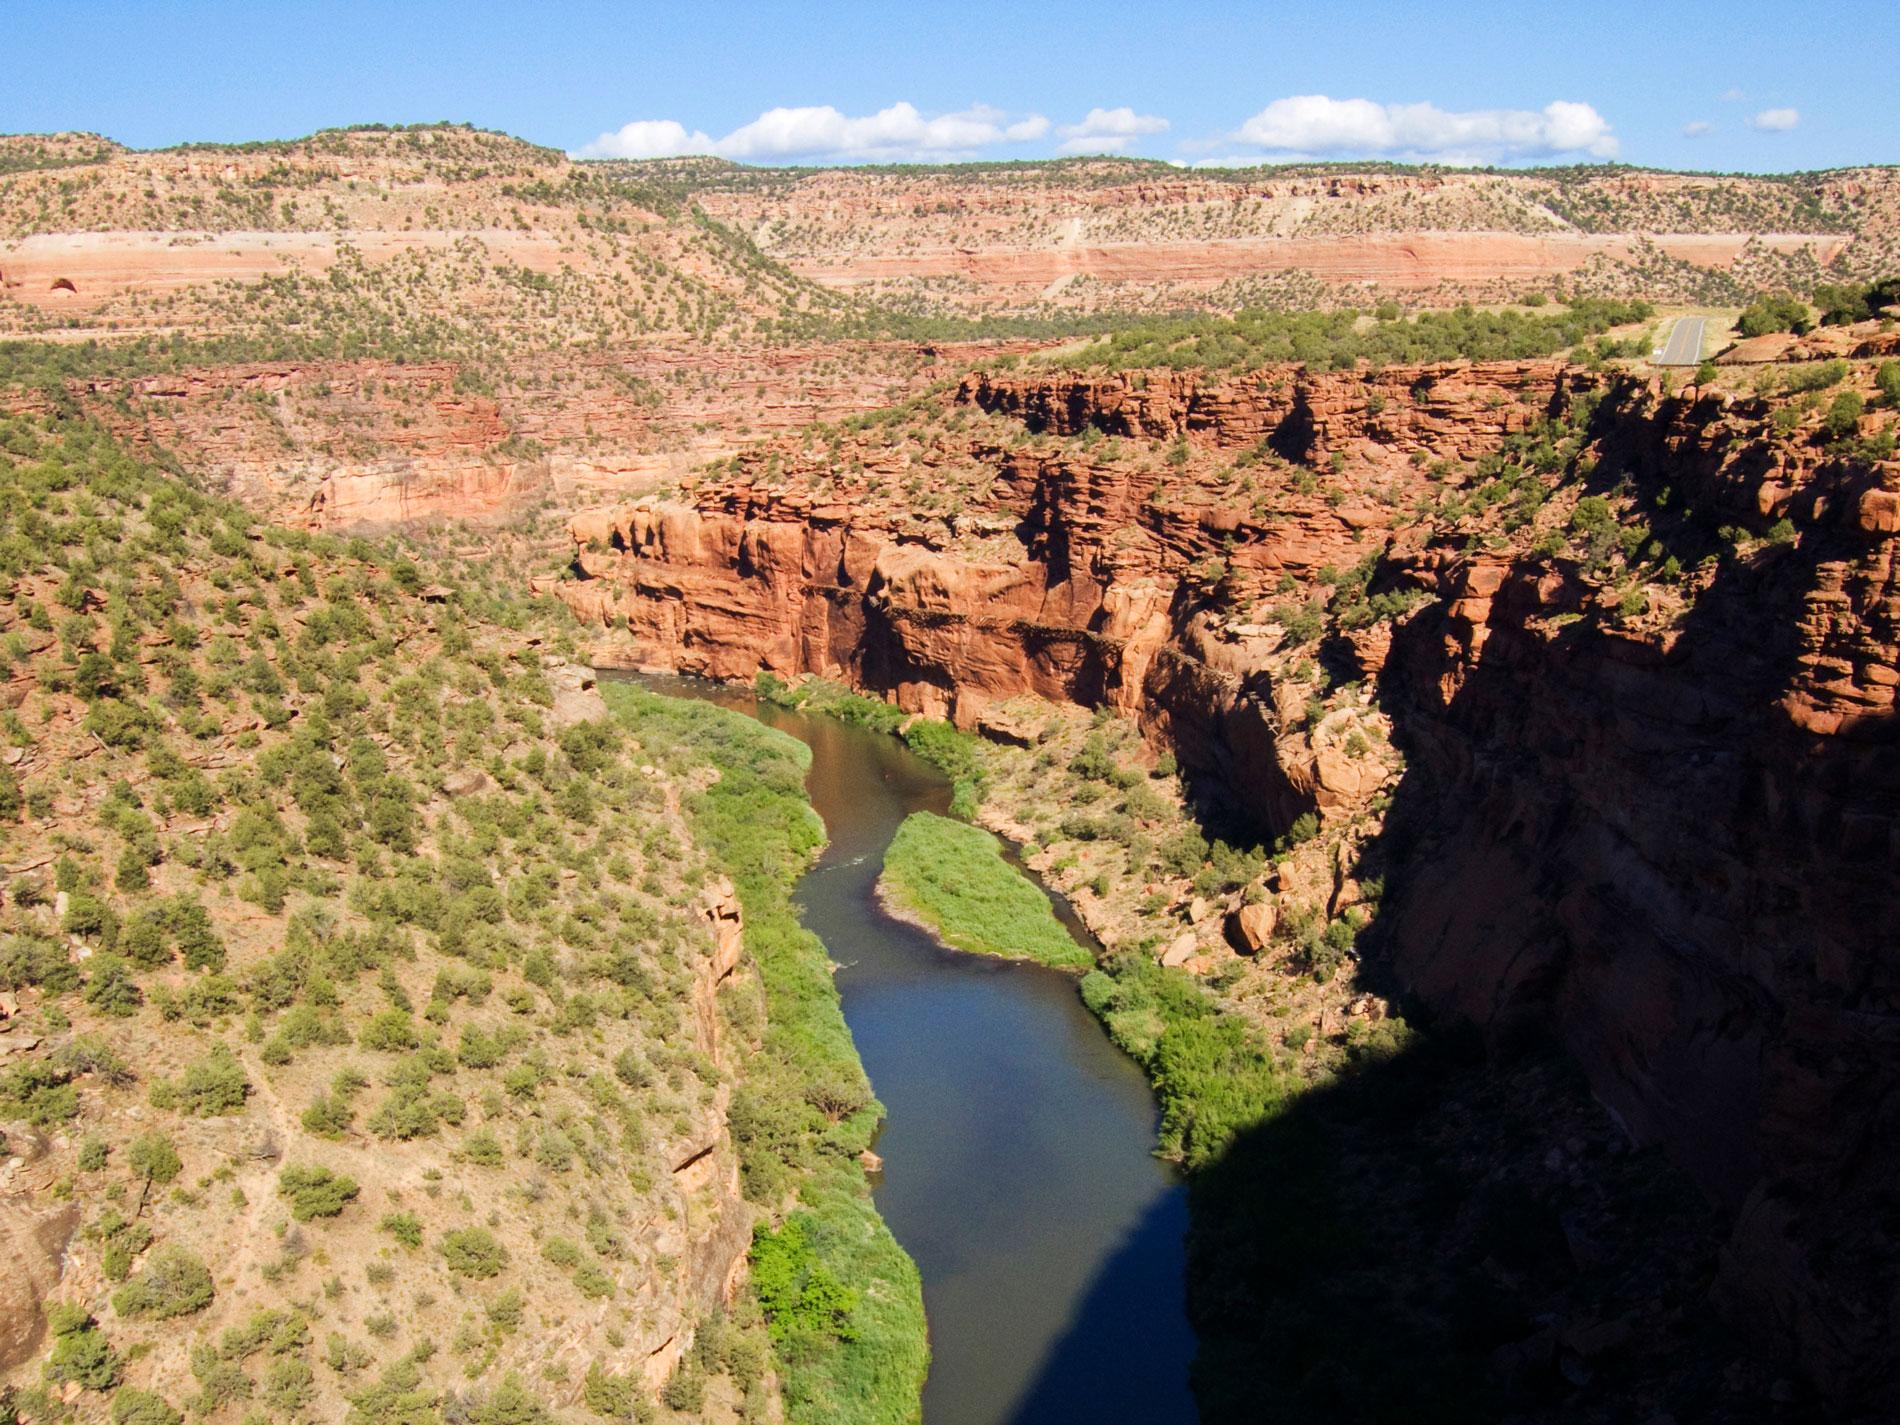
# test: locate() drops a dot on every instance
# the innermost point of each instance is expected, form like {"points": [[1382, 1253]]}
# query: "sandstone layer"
{"points": [[1082, 232], [1664, 836]]}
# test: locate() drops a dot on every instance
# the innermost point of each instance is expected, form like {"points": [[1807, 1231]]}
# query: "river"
{"points": [[1019, 1171]]}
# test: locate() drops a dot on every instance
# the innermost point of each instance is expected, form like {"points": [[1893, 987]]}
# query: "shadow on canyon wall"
{"points": [[1647, 864], [1459, 1235], [1643, 1167]]}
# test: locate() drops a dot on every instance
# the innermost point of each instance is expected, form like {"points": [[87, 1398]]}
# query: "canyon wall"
{"points": [[373, 445], [1095, 230], [1665, 838]]}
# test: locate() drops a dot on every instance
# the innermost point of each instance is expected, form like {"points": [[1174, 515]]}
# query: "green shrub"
{"points": [[511, 1404], [287, 1384], [473, 1252], [1817, 376], [123, 726], [482, 1149], [174, 1283], [507, 1311], [1213, 1079], [1843, 302], [40, 1092], [594, 1283], [328, 1116], [392, 1031], [120, 1241], [412, 1111], [315, 1192], [213, 1086], [81, 1353], [144, 942], [685, 1391], [1773, 314], [219, 1378], [1843, 415], [1184, 853], [143, 1407], [613, 1397], [1337, 340], [88, 916], [111, 987], [193, 934], [405, 1227], [955, 754], [153, 1158], [801, 1298]]}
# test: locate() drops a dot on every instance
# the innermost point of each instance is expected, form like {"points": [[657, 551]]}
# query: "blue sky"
{"points": [[1738, 85]]}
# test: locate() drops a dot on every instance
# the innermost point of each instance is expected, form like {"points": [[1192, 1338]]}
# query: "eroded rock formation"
{"points": [[1666, 836]]}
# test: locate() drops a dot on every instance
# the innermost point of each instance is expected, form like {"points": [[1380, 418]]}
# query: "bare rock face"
{"points": [[1669, 844], [1089, 608], [1678, 853], [577, 696], [33, 1238], [721, 907]]}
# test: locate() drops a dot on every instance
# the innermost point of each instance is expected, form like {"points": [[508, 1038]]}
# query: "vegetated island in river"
{"points": [[951, 880]]}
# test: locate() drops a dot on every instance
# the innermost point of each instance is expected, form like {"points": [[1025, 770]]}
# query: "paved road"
{"points": [[1684, 347]]}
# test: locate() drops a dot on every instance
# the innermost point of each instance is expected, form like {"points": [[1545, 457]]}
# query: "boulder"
{"points": [[576, 698], [468, 782], [1181, 950], [1011, 724], [1250, 928]]}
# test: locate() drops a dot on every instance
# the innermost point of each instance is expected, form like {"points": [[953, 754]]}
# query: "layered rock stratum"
{"points": [[1659, 827]]}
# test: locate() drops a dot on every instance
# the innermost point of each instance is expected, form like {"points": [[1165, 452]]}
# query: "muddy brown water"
{"points": [[1019, 1171]]}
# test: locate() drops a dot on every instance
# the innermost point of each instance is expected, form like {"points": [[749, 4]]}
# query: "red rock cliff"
{"points": [[1669, 838]]}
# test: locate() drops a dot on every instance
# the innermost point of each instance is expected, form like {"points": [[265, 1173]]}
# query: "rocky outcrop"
{"points": [[1668, 841], [372, 445], [33, 1238], [1101, 594]]}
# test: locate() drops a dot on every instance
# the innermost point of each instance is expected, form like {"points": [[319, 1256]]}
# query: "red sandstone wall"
{"points": [[1673, 848]]}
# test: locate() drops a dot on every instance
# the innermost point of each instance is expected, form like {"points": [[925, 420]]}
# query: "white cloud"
{"points": [[1696, 128], [1734, 96], [820, 131], [1776, 121], [648, 138], [1108, 130], [1314, 124]]}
